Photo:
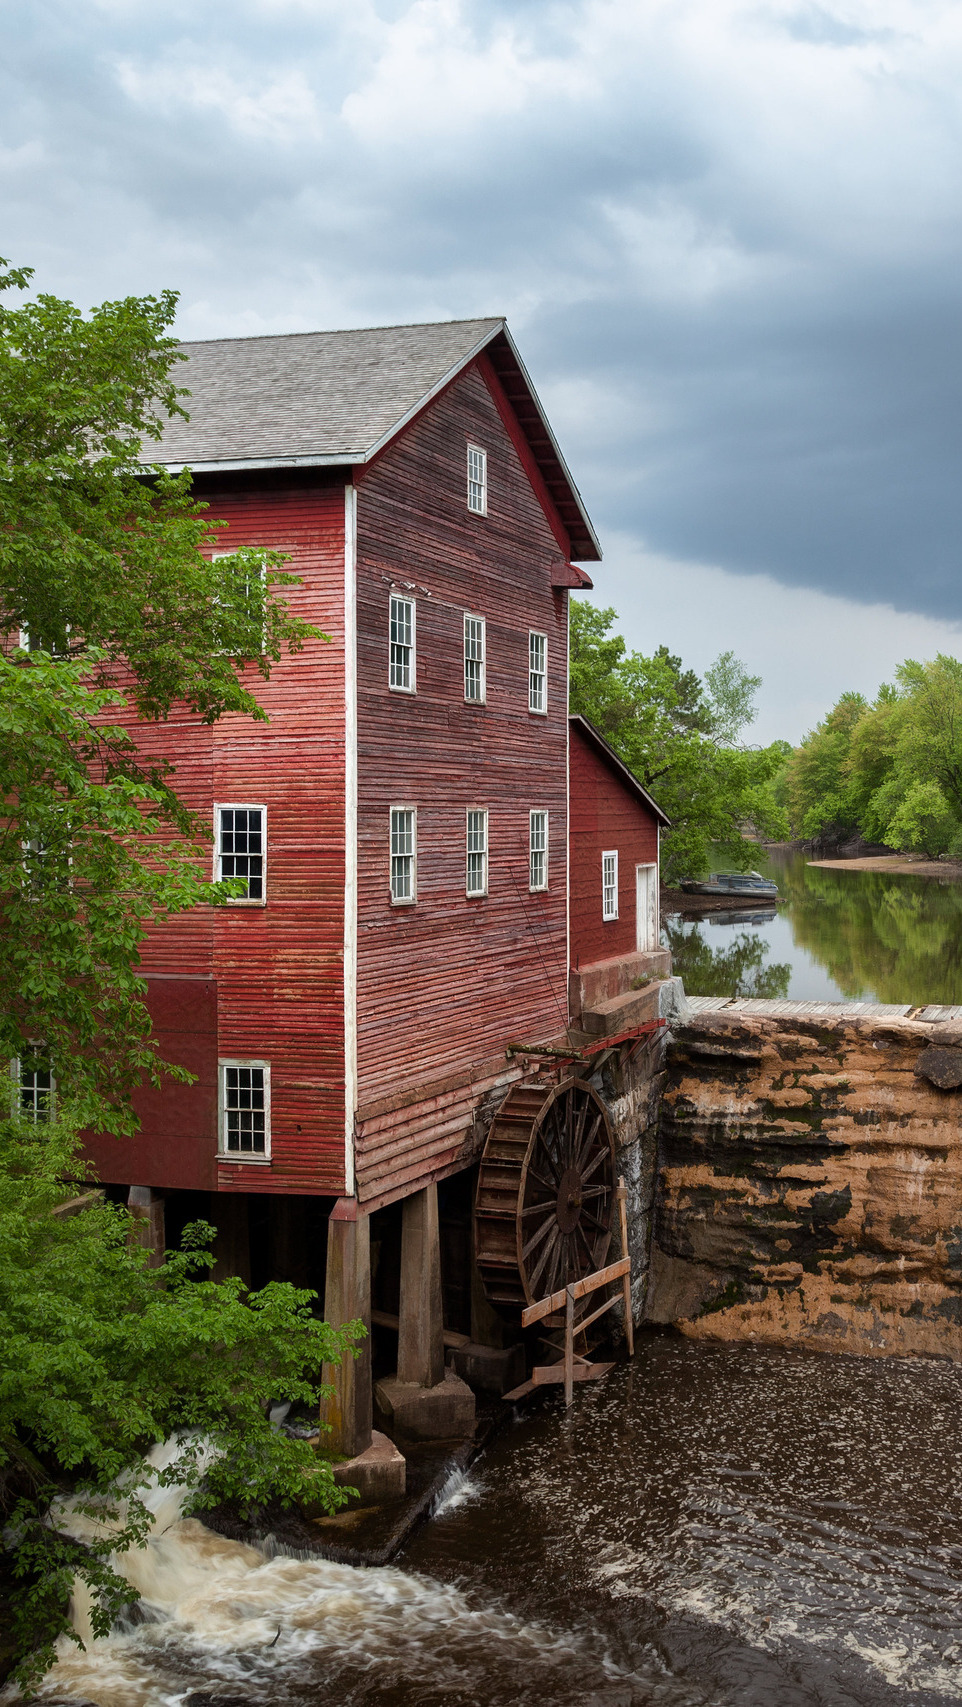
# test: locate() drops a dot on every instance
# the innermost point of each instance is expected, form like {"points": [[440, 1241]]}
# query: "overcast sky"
{"points": [[725, 234]]}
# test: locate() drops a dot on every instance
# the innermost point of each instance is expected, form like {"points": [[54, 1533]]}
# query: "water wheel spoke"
{"points": [[589, 1141], [579, 1130], [582, 1235], [548, 1254], [549, 1185], [602, 1155], [536, 1239], [547, 1155], [538, 1208], [594, 1191]]}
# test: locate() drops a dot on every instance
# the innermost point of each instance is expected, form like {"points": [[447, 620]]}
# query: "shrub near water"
{"points": [[101, 1357]]}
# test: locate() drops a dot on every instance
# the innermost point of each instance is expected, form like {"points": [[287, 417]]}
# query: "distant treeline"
{"points": [[889, 771]]}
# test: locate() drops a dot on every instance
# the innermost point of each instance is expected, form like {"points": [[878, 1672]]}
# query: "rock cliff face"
{"points": [[809, 1186]]}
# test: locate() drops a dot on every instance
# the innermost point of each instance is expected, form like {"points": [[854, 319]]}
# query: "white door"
{"points": [[646, 907]]}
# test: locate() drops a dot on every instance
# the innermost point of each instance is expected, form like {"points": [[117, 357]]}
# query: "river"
{"points": [[839, 936], [734, 1526]]}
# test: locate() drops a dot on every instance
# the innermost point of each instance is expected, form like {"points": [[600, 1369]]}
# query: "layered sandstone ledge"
{"points": [[809, 1186]]}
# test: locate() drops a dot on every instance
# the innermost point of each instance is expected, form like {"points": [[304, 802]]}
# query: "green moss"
{"points": [[733, 1293]]}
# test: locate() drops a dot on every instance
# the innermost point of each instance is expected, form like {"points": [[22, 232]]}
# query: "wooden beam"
{"points": [[581, 1289]]}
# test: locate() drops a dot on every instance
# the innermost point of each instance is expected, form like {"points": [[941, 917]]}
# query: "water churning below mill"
{"points": [[712, 1524]]}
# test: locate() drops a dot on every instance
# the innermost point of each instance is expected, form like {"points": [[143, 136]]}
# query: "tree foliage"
{"points": [[676, 734], [103, 1357], [112, 610], [890, 771]]}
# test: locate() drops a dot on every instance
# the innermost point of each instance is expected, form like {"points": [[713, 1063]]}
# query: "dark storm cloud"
{"points": [[726, 234]]}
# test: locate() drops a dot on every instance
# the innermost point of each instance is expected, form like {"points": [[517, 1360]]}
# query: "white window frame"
{"points": [[537, 888], [476, 893], [241, 806], [412, 684], [250, 1158], [609, 908], [479, 698], [535, 675], [16, 1088], [403, 900], [477, 490]]}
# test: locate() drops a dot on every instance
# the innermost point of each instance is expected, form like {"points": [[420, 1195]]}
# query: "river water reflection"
{"points": [[839, 936]]}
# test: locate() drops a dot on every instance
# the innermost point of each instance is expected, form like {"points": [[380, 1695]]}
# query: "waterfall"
{"points": [[218, 1618]]}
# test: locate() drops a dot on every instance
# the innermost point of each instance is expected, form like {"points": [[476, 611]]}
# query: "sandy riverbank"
{"points": [[949, 870]]}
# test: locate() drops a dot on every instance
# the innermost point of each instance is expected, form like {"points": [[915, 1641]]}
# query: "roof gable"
{"points": [[337, 398], [589, 734]]}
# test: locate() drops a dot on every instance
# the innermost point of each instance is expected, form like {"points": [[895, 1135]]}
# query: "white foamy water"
{"points": [[219, 1618]]}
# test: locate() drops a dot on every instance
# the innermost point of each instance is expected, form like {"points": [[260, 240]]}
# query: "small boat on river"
{"points": [[746, 885]]}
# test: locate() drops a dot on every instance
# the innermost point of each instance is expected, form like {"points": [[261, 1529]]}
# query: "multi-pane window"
{"points": [[474, 685], [403, 854], [33, 1088], [477, 854], [401, 671], [538, 851], [241, 847], [245, 1108], [477, 480], [609, 885], [537, 672]]}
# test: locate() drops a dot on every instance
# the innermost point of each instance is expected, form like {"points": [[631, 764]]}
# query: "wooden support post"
{"points": [[347, 1298], [420, 1356], [569, 1346], [146, 1206], [626, 1279]]}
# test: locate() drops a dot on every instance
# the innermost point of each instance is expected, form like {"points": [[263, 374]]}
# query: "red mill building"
{"points": [[402, 823]]}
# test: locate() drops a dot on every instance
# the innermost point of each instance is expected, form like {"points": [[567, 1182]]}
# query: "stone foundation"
{"points": [[809, 1186]]}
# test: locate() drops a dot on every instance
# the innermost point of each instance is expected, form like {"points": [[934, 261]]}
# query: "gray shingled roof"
{"points": [[310, 398], [310, 395]]}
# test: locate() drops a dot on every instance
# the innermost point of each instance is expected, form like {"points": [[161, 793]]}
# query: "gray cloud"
{"points": [[726, 233]]}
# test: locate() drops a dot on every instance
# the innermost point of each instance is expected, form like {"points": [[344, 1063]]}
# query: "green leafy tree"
{"points": [[818, 776], [731, 695], [101, 1358], [112, 611], [672, 735], [891, 771]]}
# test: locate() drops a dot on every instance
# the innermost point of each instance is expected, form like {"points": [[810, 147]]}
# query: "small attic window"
{"points": [[477, 480]]}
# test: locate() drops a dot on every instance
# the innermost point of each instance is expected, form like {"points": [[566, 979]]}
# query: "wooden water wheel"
{"points": [[546, 1193]]}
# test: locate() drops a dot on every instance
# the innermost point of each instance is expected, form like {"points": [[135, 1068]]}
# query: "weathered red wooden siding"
{"points": [[278, 969], [444, 985], [173, 1146], [604, 815]]}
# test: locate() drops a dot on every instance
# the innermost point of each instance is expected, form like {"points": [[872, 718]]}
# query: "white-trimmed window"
{"points": [[609, 885], [402, 663], [537, 672], [474, 661], [476, 880], [242, 849], [537, 850], [245, 1109], [404, 855], [33, 1087], [477, 480]]}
